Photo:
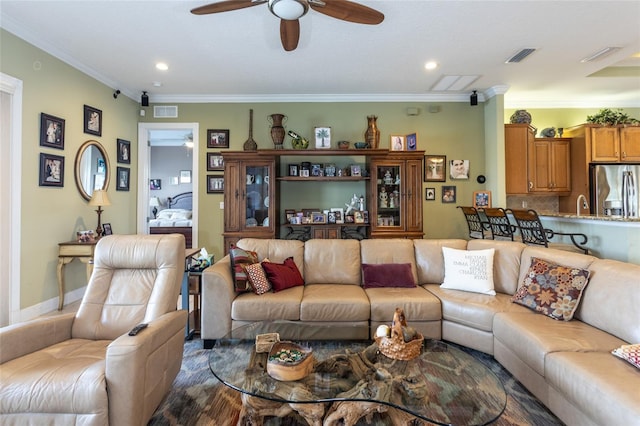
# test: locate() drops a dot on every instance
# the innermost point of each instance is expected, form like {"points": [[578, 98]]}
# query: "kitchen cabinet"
{"points": [[517, 138], [615, 143], [395, 202]]}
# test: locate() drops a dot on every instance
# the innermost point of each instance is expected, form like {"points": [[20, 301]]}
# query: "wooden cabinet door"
{"points": [[516, 142], [630, 144], [539, 154], [549, 165], [605, 144], [413, 204], [232, 196], [560, 165]]}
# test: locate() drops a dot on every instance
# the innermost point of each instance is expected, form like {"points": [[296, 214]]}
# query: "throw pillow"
{"points": [[239, 259], [468, 270], [630, 353], [387, 275], [283, 275], [551, 289], [258, 278]]}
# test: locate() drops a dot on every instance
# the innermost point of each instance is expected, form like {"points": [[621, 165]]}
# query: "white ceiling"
{"points": [[237, 56]]}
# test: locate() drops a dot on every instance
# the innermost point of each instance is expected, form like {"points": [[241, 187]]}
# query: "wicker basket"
{"points": [[264, 342], [395, 347]]}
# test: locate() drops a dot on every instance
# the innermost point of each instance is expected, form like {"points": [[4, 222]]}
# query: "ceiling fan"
{"points": [[289, 11]]}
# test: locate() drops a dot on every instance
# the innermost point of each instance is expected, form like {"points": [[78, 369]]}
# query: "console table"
{"points": [[66, 253]]}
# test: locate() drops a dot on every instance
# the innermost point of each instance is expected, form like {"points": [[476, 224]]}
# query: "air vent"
{"points": [[600, 54], [518, 57], [169, 111]]}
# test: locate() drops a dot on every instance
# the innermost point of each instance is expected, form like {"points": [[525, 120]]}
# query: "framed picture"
{"points": [[185, 176], [51, 131], [51, 170], [448, 194], [323, 137], [124, 151], [430, 194], [215, 184], [412, 142], [288, 214], [397, 143], [293, 170], [214, 161], [106, 228], [338, 213], [92, 120], [318, 217], [155, 184], [356, 170], [435, 168], [217, 138], [459, 169], [481, 199], [122, 174]]}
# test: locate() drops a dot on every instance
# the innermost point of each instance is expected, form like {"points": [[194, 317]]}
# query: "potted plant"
{"points": [[608, 117]]}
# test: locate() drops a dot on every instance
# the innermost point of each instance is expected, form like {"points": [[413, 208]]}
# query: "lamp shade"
{"points": [[154, 202], [99, 198], [288, 9]]}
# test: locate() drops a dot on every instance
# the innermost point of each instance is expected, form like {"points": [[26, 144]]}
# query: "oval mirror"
{"points": [[91, 169]]}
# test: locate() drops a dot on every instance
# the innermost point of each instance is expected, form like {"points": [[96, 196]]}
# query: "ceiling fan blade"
{"points": [[225, 6], [348, 11], [289, 34]]}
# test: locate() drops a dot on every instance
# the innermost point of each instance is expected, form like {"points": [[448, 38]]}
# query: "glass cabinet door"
{"points": [[388, 190], [256, 195]]}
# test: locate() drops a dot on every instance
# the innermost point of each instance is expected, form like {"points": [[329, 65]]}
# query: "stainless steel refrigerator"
{"points": [[614, 189]]}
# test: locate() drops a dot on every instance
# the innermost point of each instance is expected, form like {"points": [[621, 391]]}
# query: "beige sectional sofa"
{"points": [[568, 365]]}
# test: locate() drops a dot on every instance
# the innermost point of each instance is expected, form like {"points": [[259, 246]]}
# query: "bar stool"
{"points": [[478, 229], [501, 227]]}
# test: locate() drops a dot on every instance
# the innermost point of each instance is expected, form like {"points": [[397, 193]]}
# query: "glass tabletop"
{"points": [[443, 385]]}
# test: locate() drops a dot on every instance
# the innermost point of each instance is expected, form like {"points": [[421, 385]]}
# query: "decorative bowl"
{"points": [[360, 145], [288, 361], [343, 144]]}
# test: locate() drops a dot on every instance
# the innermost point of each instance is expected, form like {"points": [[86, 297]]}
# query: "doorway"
{"points": [[156, 134]]}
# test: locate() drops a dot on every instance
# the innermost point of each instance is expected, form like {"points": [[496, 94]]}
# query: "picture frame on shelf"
{"points": [[449, 194], [106, 229], [482, 199], [459, 169], [339, 214], [51, 170], [215, 162], [92, 120], [318, 218], [412, 142], [331, 217], [51, 131], [124, 151], [397, 143], [293, 170], [356, 170], [435, 168], [123, 175], [215, 184], [430, 194], [323, 137], [288, 214], [218, 138]]}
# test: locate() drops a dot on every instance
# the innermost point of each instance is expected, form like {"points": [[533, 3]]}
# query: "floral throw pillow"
{"points": [[240, 259], [630, 353], [552, 290]]}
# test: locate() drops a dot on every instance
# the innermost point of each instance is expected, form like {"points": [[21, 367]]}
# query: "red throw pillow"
{"points": [[283, 275], [387, 275]]}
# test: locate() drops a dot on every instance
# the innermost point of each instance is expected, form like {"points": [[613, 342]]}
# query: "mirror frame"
{"points": [[83, 148]]}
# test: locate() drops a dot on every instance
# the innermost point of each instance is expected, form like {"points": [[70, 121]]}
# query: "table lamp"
{"points": [[99, 198], [154, 202]]}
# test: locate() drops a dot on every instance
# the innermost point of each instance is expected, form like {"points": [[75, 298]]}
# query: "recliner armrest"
{"points": [[27, 337]]}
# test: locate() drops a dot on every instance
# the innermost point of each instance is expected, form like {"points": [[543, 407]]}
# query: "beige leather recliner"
{"points": [[84, 368]]}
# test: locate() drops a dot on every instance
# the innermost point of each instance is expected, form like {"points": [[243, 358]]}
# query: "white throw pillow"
{"points": [[468, 270]]}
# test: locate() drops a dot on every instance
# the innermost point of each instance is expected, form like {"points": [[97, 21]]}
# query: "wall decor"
{"points": [[215, 184], [185, 176], [92, 120], [293, 170], [106, 229], [123, 178], [124, 149], [215, 161], [435, 168], [448, 194], [51, 131], [412, 142], [397, 143], [217, 138], [323, 137], [481, 199], [51, 170], [155, 184], [430, 194], [459, 169]]}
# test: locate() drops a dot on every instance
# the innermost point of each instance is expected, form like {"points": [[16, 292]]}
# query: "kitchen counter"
{"points": [[589, 217]]}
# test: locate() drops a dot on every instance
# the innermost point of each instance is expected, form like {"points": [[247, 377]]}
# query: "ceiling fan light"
{"points": [[289, 10]]}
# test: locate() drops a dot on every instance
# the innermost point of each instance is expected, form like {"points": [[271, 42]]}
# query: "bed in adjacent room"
{"points": [[176, 218]]}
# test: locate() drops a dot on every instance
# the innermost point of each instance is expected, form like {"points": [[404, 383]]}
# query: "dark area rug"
{"points": [[198, 398]]}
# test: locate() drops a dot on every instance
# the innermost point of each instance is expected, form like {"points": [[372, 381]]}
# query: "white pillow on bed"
{"points": [[181, 215], [164, 214], [468, 270]]}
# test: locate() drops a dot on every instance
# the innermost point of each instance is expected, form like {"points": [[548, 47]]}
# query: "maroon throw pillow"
{"points": [[283, 275], [387, 275]]}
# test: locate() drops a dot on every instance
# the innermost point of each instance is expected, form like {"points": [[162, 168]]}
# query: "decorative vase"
{"points": [[521, 116], [372, 134], [277, 129], [250, 144]]}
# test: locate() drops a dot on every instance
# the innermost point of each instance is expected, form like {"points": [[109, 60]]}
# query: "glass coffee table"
{"points": [[352, 379]]}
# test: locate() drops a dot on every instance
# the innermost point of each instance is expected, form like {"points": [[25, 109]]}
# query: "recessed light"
{"points": [[162, 66], [431, 65]]}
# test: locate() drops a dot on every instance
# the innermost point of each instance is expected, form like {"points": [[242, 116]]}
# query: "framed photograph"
{"points": [[481, 199], [412, 142], [85, 236], [51, 170], [106, 228], [217, 138], [124, 150], [435, 168], [215, 161], [331, 217], [323, 137], [356, 170], [304, 173], [338, 213], [448, 194], [288, 214], [293, 170], [51, 131], [459, 169], [155, 184], [122, 174], [215, 184], [92, 120], [430, 194], [397, 143], [318, 217], [185, 176]]}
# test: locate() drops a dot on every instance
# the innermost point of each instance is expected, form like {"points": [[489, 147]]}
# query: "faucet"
{"points": [[585, 204]]}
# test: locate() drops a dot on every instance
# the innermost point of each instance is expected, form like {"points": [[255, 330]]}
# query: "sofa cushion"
{"points": [[240, 258], [387, 275], [343, 256], [630, 353], [283, 275], [429, 259], [506, 262], [258, 278], [388, 250], [468, 270], [417, 303], [551, 289], [332, 302], [283, 305]]}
